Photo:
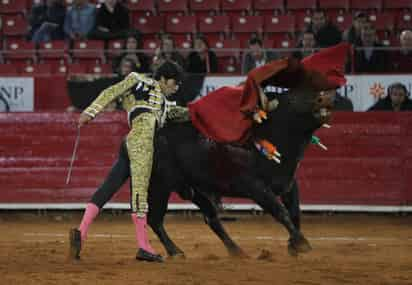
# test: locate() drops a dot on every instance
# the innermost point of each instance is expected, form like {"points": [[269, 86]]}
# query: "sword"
{"points": [[76, 144]]}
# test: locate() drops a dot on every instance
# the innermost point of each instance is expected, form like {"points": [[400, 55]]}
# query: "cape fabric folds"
{"points": [[222, 114]]}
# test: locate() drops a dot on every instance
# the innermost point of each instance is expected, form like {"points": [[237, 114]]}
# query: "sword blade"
{"points": [[76, 144]]}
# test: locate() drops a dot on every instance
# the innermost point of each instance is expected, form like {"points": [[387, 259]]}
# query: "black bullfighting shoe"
{"points": [[75, 243], [144, 255]]}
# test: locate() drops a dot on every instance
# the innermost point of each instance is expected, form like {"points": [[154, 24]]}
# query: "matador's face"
{"points": [[168, 86]]}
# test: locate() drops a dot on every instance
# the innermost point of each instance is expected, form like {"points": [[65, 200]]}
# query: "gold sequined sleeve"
{"points": [[111, 93], [178, 114]]}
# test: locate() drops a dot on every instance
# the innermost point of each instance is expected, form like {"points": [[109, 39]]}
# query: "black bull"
{"points": [[200, 171]]}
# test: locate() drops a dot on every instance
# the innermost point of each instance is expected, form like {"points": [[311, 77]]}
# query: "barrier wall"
{"points": [[367, 166]]}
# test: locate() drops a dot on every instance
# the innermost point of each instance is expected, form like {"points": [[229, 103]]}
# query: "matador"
{"points": [[145, 100]]}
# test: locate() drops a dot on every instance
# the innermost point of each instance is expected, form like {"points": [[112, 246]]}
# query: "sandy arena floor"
{"points": [[347, 249]]}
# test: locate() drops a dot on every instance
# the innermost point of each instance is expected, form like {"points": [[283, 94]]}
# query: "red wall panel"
{"points": [[369, 161]]}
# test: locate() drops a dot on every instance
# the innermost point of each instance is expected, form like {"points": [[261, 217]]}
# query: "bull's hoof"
{"points": [[291, 250], [238, 253], [144, 255], [75, 243], [298, 245], [179, 255]]}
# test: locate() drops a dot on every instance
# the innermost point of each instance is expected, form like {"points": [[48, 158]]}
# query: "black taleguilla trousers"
{"points": [[118, 175]]}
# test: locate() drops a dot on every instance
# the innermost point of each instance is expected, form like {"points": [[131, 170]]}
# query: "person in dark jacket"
{"points": [[46, 21], [397, 99], [352, 35], [368, 59], [342, 103], [112, 21], [256, 56], [203, 60], [326, 33], [307, 44]]}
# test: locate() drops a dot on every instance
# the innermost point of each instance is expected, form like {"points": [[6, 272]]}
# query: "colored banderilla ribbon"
{"points": [[268, 150], [316, 141], [259, 116]]}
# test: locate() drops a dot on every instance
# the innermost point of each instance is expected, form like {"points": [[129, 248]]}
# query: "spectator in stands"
{"points": [[131, 45], [342, 103], [352, 35], [326, 33], [167, 52], [112, 21], [367, 58], [46, 21], [397, 99], [307, 44], [402, 60], [80, 19], [202, 60], [256, 56]]}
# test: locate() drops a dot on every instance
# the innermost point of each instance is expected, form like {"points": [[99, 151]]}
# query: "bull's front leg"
{"points": [[291, 201], [269, 202], [210, 213]]}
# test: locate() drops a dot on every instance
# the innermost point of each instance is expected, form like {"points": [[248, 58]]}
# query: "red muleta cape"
{"points": [[221, 115]]}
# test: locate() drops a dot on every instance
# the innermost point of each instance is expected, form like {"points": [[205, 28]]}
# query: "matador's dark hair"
{"points": [[169, 70]]}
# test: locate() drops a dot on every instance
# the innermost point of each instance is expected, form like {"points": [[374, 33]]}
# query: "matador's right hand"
{"points": [[83, 119]]}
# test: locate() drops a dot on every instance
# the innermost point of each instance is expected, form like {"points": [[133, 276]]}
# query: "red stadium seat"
{"points": [[382, 21], [247, 24], [302, 19], [236, 7], [366, 5], [142, 6], [59, 69], [404, 20], [13, 7], [181, 24], [279, 24], [226, 44], [36, 69], [14, 26], [267, 7], [168, 7], [342, 21], [285, 43], [20, 50], [214, 24], [204, 7], [392, 41], [151, 44], [397, 4], [268, 43], [76, 68], [8, 69], [53, 50], [228, 65], [334, 4], [149, 24], [301, 4], [100, 69], [89, 49], [114, 48]]}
